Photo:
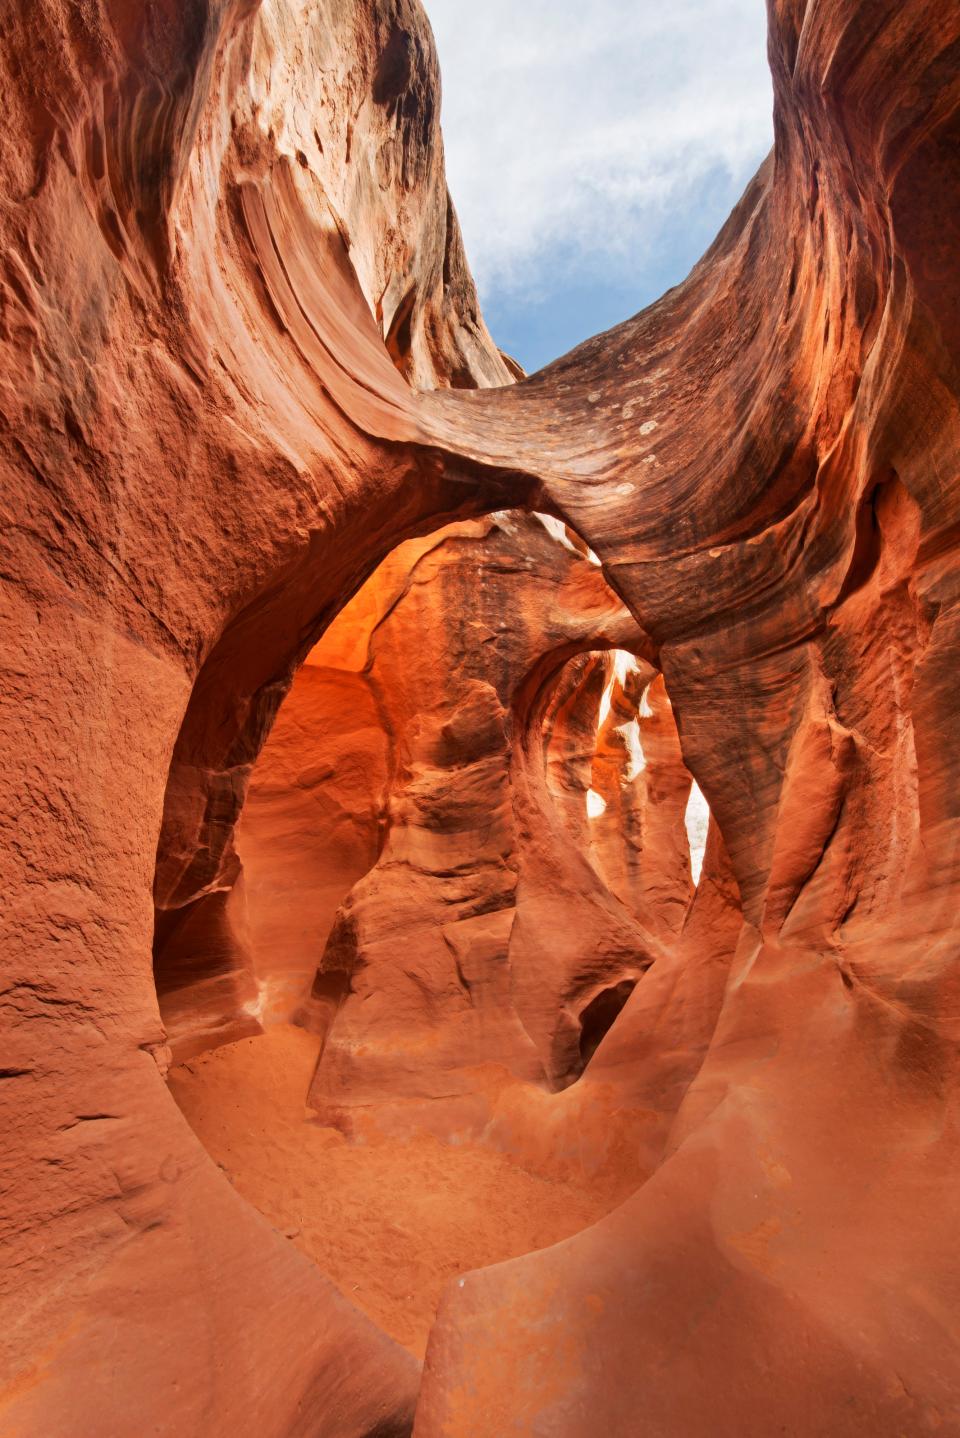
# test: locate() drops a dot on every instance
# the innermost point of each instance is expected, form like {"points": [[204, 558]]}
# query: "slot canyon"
{"points": [[481, 852]]}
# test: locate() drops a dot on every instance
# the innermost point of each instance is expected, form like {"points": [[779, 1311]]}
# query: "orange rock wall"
{"points": [[423, 963], [210, 240]]}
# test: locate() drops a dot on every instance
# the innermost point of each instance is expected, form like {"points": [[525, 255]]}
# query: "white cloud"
{"points": [[589, 131]]}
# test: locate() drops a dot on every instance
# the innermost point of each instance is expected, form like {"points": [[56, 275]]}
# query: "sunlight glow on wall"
{"points": [[624, 664], [606, 703]]}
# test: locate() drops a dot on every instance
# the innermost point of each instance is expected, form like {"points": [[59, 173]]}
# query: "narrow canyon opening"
{"points": [[468, 836]]}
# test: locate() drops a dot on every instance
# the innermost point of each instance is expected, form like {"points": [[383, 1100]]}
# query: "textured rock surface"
{"points": [[440, 747], [213, 214], [409, 756], [442, 996]]}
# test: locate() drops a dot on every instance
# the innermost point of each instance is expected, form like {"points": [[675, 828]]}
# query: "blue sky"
{"points": [[593, 152]]}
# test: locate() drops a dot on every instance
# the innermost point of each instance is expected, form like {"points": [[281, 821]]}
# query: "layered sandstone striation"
{"points": [[238, 341]]}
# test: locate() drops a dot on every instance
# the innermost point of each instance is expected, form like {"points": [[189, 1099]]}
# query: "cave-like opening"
{"points": [[429, 930], [599, 1016]]}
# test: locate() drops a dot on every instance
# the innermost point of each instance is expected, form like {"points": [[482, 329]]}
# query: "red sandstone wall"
{"points": [[207, 446]]}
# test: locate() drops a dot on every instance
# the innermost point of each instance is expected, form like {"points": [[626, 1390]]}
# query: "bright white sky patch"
{"points": [[606, 702], [557, 528], [596, 804], [636, 762], [697, 820], [587, 133]]}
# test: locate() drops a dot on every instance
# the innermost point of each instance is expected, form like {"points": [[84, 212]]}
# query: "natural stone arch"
{"points": [[450, 633], [197, 379], [202, 956], [232, 706]]}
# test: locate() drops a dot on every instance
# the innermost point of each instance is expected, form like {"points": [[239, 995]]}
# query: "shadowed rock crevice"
{"points": [[599, 1016]]}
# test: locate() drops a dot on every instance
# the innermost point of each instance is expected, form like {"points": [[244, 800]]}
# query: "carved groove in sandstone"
{"points": [[241, 360]]}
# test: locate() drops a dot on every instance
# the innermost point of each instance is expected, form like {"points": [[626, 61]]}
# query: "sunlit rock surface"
{"points": [[237, 339]]}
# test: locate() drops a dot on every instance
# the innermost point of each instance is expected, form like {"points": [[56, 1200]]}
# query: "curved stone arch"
{"points": [[239, 688], [810, 344], [643, 924], [201, 961]]}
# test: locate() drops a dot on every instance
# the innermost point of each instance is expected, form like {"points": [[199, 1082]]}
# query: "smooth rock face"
{"points": [[237, 340], [392, 1222]]}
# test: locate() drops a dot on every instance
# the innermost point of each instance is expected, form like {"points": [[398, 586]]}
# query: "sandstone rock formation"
{"points": [[434, 985], [237, 340], [408, 775]]}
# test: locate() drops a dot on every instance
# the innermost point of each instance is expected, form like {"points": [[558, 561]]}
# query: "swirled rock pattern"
{"points": [[237, 339]]}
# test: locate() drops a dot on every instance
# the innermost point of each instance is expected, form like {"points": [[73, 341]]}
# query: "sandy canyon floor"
{"points": [[391, 1223]]}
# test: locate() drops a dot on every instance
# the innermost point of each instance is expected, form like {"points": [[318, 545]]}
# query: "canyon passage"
{"points": [[481, 852]]}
